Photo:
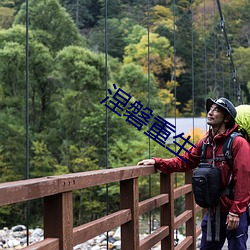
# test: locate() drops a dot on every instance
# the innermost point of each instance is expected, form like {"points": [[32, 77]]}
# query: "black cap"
{"points": [[223, 103]]}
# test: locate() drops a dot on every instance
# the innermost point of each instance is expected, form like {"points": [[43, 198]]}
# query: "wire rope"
{"points": [[175, 89], [236, 83], [205, 50], [174, 69], [107, 120], [192, 76], [27, 207], [215, 53], [149, 145], [77, 13]]}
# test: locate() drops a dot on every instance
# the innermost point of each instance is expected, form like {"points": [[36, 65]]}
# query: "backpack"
{"points": [[243, 120], [206, 179], [206, 185]]}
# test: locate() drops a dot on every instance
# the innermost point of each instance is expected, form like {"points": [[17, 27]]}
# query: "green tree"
{"points": [[84, 13], [53, 25], [242, 64], [137, 83], [13, 60], [117, 31], [6, 17], [42, 163], [161, 57]]}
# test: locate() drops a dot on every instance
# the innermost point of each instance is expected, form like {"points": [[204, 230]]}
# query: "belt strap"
{"points": [[209, 227], [217, 223]]}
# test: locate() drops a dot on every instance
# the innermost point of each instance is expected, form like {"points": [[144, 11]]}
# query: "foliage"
{"points": [[53, 25], [242, 63], [84, 13], [182, 55], [6, 17], [161, 16]]}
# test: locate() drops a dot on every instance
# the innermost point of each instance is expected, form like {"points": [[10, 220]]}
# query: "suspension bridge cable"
{"points": [[229, 53], [175, 90], [192, 77], [205, 51], [221, 68], [149, 148], [215, 53], [107, 120], [27, 207], [174, 62]]}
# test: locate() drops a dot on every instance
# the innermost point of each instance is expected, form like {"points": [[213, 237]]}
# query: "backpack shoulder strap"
{"points": [[203, 152], [227, 148]]}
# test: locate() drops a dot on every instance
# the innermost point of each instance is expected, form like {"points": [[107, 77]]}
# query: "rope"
{"points": [[27, 207], [205, 51], [174, 72], [27, 89], [175, 94], [192, 23], [107, 120], [229, 54], [149, 148], [77, 13], [221, 45], [215, 53]]}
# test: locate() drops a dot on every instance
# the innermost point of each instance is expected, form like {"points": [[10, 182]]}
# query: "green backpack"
{"points": [[243, 120]]}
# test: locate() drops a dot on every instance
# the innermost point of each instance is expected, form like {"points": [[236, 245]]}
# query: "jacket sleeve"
{"points": [[177, 164], [241, 175]]}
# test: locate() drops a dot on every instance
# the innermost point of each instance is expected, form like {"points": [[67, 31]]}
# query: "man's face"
{"points": [[215, 116]]}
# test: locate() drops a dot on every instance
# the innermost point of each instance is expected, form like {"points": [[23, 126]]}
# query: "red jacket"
{"points": [[241, 167]]}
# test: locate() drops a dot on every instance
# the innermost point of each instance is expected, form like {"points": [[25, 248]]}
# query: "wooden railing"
{"points": [[59, 232]]}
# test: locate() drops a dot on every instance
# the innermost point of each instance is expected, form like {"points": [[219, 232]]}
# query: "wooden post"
{"points": [[190, 205], [167, 210], [58, 219], [129, 198]]}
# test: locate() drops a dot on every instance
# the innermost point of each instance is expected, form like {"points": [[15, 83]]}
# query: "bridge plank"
{"points": [[90, 230], [154, 238], [99, 177], [152, 203], [185, 189], [187, 242], [46, 244], [24, 190], [182, 218]]}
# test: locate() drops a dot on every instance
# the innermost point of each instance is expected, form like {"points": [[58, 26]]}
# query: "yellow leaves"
{"points": [[203, 114], [179, 69], [196, 134], [169, 101], [171, 85], [6, 17], [166, 96], [161, 16], [159, 53], [188, 107]]}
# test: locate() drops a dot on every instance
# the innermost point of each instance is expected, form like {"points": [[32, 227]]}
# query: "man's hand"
{"points": [[232, 221], [146, 162]]}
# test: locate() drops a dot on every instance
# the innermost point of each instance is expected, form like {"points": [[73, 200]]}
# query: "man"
{"points": [[221, 115]]}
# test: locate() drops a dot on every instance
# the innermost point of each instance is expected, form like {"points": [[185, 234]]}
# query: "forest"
{"points": [[56, 70]]}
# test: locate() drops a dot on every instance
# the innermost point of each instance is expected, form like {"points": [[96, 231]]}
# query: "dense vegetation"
{"points": [[71, 58]]}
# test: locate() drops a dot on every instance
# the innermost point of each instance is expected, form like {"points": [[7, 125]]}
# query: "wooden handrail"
{"points": [[58, 208]]}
